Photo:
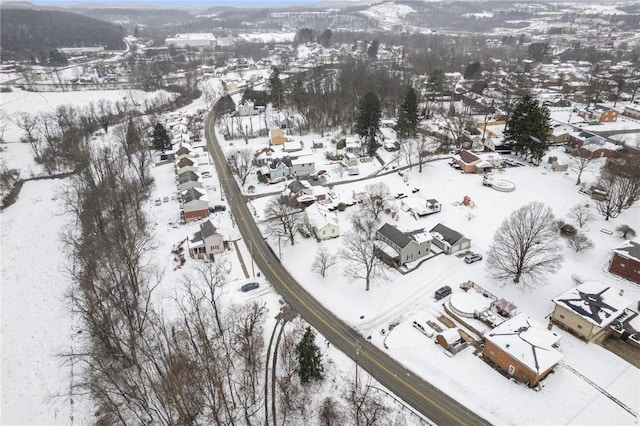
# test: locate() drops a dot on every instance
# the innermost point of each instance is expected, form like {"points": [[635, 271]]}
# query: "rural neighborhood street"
{"points": [[413, 390]]}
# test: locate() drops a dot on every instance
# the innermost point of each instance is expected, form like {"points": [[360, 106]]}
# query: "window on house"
{"points": [[561, 316], [512, 370], [579, 326]]}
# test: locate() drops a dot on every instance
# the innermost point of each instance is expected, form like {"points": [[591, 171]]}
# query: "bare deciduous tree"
{"points": [[425, 148], [283, 218], [330, 413], [377, 199], [525, 246], [579, 242], [626, 232], [581, 213], [580, 162], [359, 251], [242, 164], [323, 261]]}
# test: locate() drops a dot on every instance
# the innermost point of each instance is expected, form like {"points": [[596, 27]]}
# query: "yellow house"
{"points": [[277, 137]]}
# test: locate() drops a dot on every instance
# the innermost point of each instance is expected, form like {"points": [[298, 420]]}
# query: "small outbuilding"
{"points": [[625, 261]]}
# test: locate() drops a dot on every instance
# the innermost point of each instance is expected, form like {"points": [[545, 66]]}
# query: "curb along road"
{"points": [[413, 390]]}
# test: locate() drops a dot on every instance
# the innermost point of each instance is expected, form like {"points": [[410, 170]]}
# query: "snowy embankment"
{"points": [[37, 325]]}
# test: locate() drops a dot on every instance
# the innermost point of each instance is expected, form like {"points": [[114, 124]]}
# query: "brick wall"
{"points": [[625, 268]]}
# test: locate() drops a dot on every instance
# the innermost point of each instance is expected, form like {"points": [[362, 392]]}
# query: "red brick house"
{"points": [[599, 113], [471, 162], [625, 261], [523, 349]]}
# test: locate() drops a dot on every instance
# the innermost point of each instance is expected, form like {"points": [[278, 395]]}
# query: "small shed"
{"points": [[451, 340]]}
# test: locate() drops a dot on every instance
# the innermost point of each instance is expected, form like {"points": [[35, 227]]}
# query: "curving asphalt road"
{"points": [[413, 390]]}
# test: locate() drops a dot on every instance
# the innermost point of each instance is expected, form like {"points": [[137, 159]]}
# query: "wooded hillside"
{"points": [[25, 33]]}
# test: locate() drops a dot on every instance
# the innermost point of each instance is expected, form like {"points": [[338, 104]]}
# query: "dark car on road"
{"points": [[442, 292], [249, 286]]}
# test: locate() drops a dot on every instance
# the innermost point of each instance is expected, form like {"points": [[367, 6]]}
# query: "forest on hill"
{"points": [[28, 33]]}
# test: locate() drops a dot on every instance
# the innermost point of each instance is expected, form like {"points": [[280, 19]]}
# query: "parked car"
{"points": [[158, 201], [472, 257], [217, 208], [442, 292], [249, 286], [165, 199], [426, 331]]}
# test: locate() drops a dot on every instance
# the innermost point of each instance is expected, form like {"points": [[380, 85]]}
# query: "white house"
{"points": [[322, 222], [207, 242]]}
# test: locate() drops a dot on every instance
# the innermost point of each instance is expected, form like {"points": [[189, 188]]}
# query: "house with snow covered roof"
{"points": [[523, 349], [589, 308], [207, 242], [195, 204], [599, 113], [625, 261], [188, 180], [322, 223], [471, 162], [597, 145], [448, 240], [397, 248]]}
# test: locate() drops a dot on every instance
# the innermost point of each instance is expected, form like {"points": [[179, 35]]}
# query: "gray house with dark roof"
{"points": [[207, 242], [397, 247], [448, 240], [188, 180]]}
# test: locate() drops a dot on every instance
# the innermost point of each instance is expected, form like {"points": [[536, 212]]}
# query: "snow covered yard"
{"points": [[403, 298]]}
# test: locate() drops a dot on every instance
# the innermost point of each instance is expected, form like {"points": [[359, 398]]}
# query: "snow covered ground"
{"points": [[404, 298], [36, 324]]}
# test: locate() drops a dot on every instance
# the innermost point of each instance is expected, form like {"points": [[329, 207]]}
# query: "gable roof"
{"points": [[319, 216], [297, 186], [188, 176], [629, 249], [527, 341], [207, 229], [193, 194], [468, 156], [446, 234], [394, 235], [185, 162]]}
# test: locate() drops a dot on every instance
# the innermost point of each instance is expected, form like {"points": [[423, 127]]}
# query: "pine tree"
{"points": [[528, 128], [309, 358], [408, 115], [368, 120], [276, 87], [161, 140]]}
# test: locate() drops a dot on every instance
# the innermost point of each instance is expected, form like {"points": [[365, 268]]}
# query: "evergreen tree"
{"points": [[161, 140], [372, 51], [325, 38], [276, 87], [408, 115], [368, 120], [528, 128], [309, 358]]}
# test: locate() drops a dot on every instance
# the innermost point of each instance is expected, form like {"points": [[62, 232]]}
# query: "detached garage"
{"points": [[448, 240]]}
